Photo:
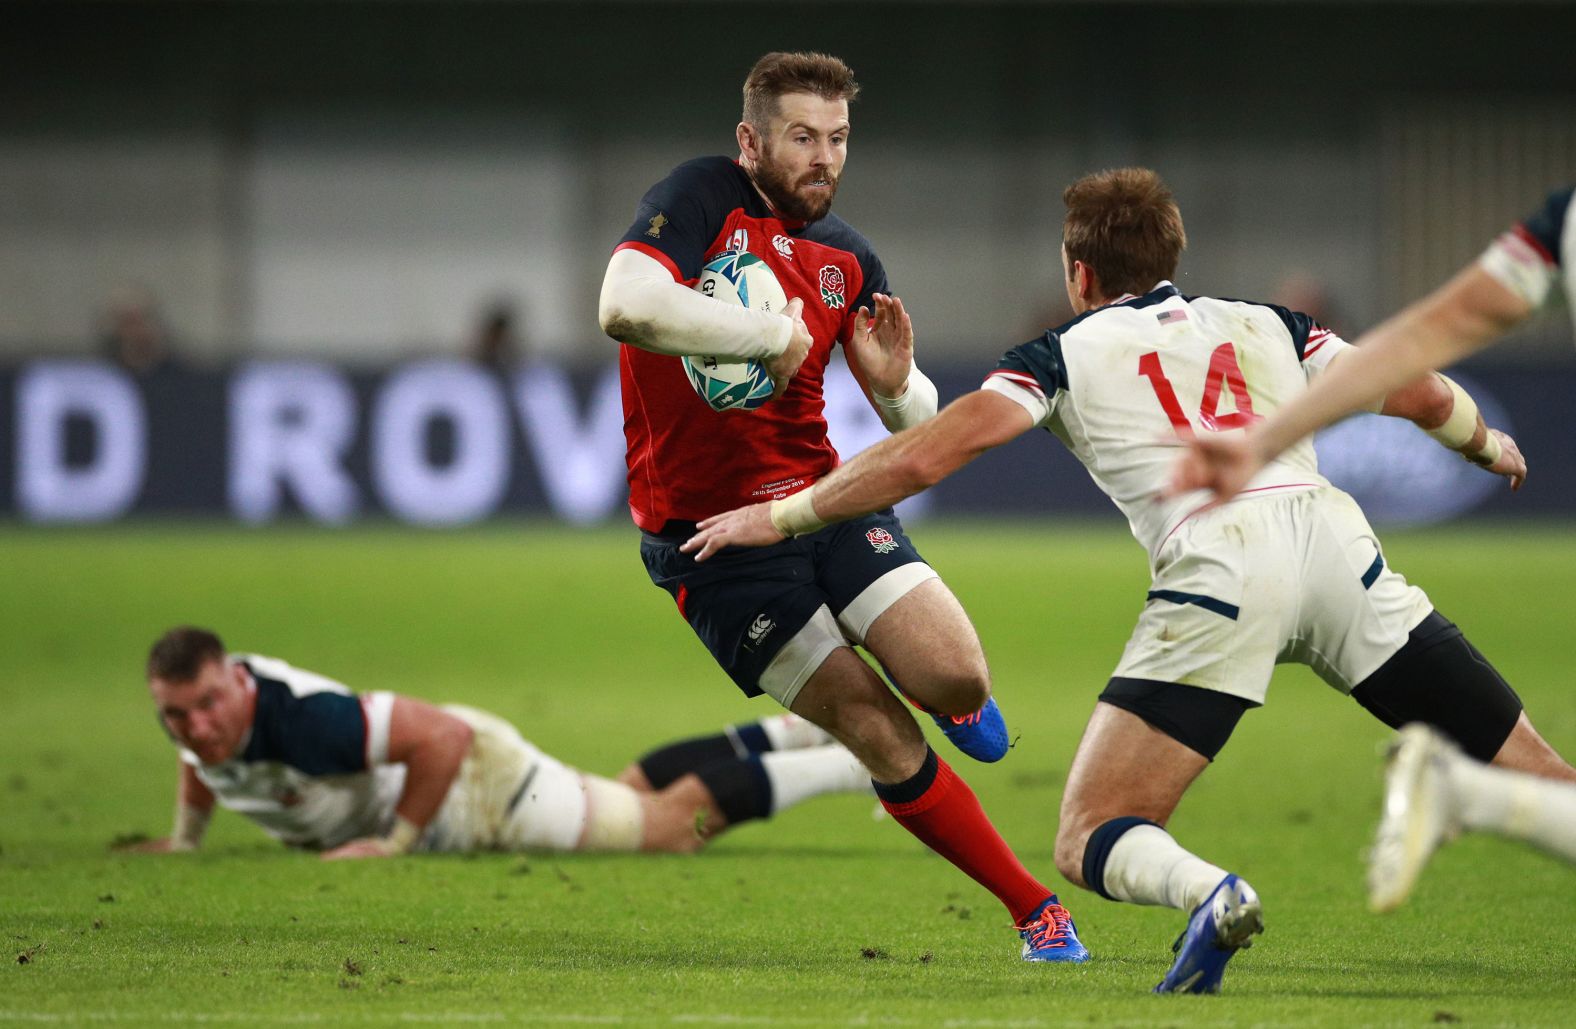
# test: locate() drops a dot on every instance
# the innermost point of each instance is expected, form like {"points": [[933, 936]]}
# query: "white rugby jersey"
{"points": [[313, 768], [1122, 384], [1531, 256]]}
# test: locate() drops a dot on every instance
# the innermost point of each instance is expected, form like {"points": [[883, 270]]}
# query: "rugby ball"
{"points": [[740, 278]]}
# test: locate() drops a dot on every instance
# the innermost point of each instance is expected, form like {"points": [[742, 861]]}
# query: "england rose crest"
{"points": [[833, 287], [881, 540]]}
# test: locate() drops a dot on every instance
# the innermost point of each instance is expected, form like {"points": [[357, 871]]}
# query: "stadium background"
{"points": [[352, 187], [321, 202]]}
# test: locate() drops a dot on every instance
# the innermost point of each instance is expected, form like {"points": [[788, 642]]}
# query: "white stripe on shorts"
{"points": [[801, 656], [872, 603]]}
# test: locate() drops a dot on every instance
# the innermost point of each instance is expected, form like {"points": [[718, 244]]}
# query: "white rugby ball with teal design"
{"points": [[740, 278]]}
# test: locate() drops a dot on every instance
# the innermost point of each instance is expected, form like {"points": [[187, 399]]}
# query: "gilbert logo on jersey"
{"points": [[833, 287]]}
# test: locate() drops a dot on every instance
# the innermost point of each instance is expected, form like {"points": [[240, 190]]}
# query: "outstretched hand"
{"points": [[883, 344], [1510, 463], [1220, 463], [367, 847], [742, 527]]}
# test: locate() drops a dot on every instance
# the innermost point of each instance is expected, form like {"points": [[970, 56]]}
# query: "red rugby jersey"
{"points": [[685, 460]]}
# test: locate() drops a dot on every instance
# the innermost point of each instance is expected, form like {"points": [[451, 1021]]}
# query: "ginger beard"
{"points": [[806, 197]]}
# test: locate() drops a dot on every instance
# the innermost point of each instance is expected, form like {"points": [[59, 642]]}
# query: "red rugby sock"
{"points": [[939, 808]]}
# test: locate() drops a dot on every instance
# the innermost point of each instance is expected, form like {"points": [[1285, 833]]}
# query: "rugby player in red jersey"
{"points": [[784, 620]]}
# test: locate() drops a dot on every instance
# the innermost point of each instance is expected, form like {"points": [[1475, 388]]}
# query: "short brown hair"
{"points": [[780, 73], [182, 652], [1125, 225]]}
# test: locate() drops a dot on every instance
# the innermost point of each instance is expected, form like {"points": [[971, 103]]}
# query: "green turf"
{"points": [[822, 916]]}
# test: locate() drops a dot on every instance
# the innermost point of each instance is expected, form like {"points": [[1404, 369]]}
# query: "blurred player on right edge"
{"points": [[1432, 791]]}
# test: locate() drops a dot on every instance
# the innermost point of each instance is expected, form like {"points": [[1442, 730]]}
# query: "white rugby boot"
{"points": [[1419, 814]]}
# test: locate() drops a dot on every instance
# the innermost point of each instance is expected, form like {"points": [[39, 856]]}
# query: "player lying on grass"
{"points": [[1290, 573], [378, 774]]}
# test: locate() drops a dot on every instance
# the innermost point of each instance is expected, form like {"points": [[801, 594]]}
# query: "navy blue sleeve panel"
{"points": [[680, 216], [1547, 223], [1298, 324], [319, 734], [875, 280], [1041, 358]]}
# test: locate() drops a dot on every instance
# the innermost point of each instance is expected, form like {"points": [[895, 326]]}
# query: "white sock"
{"points": [[790, 732], [1514, 804], [798, 775], [1146, 866]]}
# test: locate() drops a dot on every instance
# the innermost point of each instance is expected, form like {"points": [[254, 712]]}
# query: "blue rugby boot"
{"points": [[1049, 935], [1226, 922], [981, 735]]}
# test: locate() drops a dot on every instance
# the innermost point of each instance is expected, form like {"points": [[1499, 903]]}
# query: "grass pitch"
{"points": [[822, 916]]}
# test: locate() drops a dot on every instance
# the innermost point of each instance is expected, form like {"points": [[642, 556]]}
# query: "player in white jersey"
{"points": [[1432, 791], [372, 775], [1292, 572]]}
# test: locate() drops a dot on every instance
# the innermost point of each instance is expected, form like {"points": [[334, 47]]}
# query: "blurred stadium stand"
{"points": [[353, 183]]}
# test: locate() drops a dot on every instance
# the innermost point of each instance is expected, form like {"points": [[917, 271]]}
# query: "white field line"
{"points": [[537, 1018]]}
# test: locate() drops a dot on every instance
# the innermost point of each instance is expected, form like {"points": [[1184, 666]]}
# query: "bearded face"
{"points": [[797, 160], [802, 195]]}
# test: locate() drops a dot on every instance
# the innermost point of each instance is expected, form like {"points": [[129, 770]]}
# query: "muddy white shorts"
{"points": [[509, 795], [1295, 577]]}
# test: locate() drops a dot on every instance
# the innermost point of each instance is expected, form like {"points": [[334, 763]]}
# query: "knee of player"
{"points": [[963, 689], [687, 793], [634, 777], [1071, 842]]}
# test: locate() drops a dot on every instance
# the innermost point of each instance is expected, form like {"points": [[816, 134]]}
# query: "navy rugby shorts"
{"points": [[746, 603]]}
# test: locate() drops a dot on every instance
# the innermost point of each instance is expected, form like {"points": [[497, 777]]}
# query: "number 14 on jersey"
{"points": [[1224, 374]]}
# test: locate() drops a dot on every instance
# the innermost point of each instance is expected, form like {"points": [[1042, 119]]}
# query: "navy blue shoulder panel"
{"points": [[1155, 296], [832, 231], [1300, 326], [682, 215], [1041, 358], [1546, 224], [319, 734]]}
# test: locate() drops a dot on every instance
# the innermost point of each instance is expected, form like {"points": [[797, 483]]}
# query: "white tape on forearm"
{"points": [[403, 836], [1488, 454], [1457, 430], [795, 515], [917, 403], [191, 823]]}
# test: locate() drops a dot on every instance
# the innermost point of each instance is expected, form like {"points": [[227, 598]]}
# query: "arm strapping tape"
{"points": [[1457, 431], [403, 836], [917, 404], [191, 823], [795, 515]]}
